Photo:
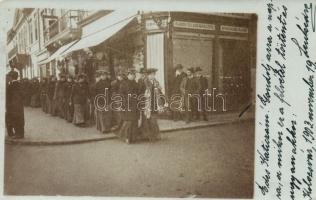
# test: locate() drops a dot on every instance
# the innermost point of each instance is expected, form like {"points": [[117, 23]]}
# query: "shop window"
{"points": [[194, 52]]}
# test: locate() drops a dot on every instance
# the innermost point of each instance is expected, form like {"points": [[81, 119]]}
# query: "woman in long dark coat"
{"points": [[51, 93], [69, 107], [43, 94], [102, 102], [35, 93], [79, 97], [149, 126], [129, 90]]}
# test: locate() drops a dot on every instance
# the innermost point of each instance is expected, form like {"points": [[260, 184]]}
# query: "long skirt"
{"points": [[35, 103], [60, 107], [52, 107], [69, 112], [103, 121], [128, 131], [43, 103], [149, 128], [79, 114]]}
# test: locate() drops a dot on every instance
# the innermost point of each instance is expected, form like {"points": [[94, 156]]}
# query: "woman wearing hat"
{"points": [[69, 107], [128, 130], [79, 97], [103, 112], [149, 125], [35, 93]]}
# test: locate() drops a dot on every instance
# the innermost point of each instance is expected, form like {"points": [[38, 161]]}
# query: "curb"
{"points": [[112, 136]]}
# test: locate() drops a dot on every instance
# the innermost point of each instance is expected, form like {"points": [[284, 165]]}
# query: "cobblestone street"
{"points": [[208, 162]]}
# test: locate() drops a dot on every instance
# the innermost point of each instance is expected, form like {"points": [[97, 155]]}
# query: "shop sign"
{"points": [[156, 25], [234, 29], [194, 25]]}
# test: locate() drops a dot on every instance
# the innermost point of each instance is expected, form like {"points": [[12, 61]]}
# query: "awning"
{"points": [[102, 29], [57, 53]]}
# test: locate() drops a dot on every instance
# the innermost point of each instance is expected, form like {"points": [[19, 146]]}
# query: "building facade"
{"points": [[46, 42]]}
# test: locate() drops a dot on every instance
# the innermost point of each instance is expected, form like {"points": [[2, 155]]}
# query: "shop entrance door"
{"points": [[236, 72], [155, 56], [194, 52]]}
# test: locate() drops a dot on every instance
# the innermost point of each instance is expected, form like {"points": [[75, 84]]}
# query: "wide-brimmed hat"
{"points": [[131, 71], [142, 70], [198, 69], [151, 70], [191, 69], [178, 66]]}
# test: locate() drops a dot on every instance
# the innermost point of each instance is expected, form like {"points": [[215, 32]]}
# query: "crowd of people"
{"points": [[83, 103]]}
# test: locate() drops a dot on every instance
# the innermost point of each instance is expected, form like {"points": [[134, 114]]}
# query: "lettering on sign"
{"points": [[234, 29], [194, 25], [153, 25]]}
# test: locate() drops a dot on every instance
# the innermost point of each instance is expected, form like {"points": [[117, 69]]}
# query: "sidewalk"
{"points": [[43, 129]]}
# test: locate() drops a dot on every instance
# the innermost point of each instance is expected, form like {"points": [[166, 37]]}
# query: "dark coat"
{"points": [[35, 88], [14, 104], [80, 93], [43, 88], [68, 90], [51, 89], [203, 84], [175, 86], [129, 87], [100, 88], [60, 90]]}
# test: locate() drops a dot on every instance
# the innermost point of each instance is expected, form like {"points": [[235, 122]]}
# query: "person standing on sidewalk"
{"points": [[203, 87], [175, 90], [35, 93], [51, 93], [115, 92], [149, 125], [103, 112], [79, 97], [43, 94], [128, 131], [14, 107], [59, 95], [69, 109], [190, 88]]}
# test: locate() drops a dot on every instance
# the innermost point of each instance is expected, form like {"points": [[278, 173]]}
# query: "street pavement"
{"points": [[44, 129], [214, 162]]}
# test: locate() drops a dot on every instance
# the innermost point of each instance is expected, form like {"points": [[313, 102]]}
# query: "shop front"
{"points": [[220, 45]]}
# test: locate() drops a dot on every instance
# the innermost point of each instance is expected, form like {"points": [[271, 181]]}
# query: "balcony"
{"points": [[64, 28]]}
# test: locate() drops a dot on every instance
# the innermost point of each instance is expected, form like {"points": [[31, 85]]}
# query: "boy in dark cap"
{"points": [[14, 107]]}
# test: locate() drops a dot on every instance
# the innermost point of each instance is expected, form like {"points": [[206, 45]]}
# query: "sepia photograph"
{"points": [[130, 103]]}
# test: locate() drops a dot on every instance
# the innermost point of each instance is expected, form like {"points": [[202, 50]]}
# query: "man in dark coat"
{"points": [[14, 107], [203, 87], [26, 91], [175, 90], [59, 95], [190, 88]]}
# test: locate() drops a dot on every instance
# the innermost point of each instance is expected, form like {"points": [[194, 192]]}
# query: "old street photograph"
{"points": [[130, 103]]}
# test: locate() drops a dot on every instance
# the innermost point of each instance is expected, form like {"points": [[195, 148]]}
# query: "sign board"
{"points": [[156, 25], [194, 25], [234, 29]]}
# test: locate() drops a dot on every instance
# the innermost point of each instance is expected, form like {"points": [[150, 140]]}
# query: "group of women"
{"points": [[121, 104]]}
